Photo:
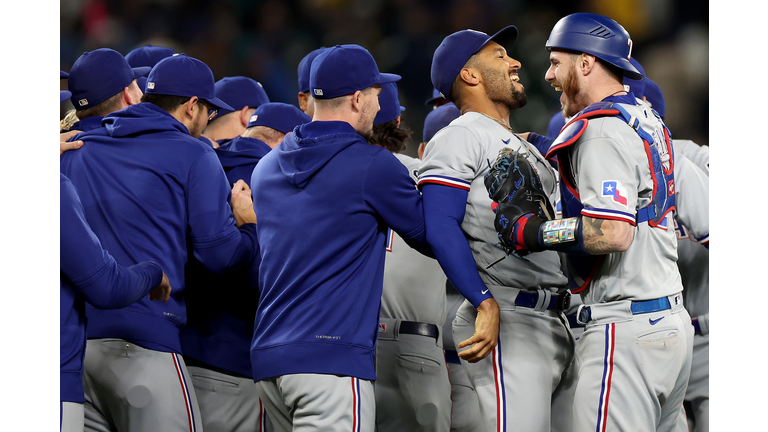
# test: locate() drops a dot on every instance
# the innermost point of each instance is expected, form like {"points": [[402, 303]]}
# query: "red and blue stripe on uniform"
{"points": [[355, 404], [501, 394], [605, 390], [445, 181], [185, 391]]}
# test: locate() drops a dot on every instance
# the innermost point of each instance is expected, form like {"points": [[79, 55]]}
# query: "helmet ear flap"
{"points": [[597, 35]]}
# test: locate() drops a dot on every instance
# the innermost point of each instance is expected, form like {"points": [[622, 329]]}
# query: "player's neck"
{"points": [[495, 110]]}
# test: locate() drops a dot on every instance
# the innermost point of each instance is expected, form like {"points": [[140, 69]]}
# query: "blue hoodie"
{"points": [[220, 328], [152, 192], [324, 199], [87, 124], [88, 272]]}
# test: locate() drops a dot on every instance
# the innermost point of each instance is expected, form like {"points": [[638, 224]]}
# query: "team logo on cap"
{"points": [[613, 189], [150, 86], [83, 102], [253, 118], [318, 92]]}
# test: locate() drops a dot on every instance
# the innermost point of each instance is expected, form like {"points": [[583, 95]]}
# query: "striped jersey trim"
{"points": [[442, 180], [501, 395], [610, 214]]}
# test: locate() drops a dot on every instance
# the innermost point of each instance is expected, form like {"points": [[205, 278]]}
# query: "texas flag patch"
{"points": [[613, 189]]}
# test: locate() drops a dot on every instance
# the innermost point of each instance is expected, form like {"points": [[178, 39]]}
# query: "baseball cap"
{"points": [[304, 66], [181, 75], [435, 97], [343, 70], [389, 104], [278, 116], [64, 95], [454, 51], [636, 86], [63, 74], [654, 95], [98, 75], [147, 55], [439, 118], [240, 92]]}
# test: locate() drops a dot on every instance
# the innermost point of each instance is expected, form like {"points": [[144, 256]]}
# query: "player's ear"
{"points": [[356, 100], [470, 75], [586, 63], [189, 107], [245, 115]]}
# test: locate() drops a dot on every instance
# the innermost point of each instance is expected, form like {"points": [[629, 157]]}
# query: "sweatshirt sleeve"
{"points": [[216, 240], [92, 270], [444, 208], [390, 190]]}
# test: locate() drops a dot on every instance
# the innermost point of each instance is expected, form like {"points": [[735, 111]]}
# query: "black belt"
{"points": [[419, 328], [530, 299]]}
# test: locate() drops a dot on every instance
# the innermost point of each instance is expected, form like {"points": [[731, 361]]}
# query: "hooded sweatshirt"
{"points": [[150, 191], [88, 272], [324, 199], [220, 328]]}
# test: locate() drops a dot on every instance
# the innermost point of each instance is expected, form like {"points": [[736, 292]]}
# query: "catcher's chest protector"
{"points": [[581, 269]]}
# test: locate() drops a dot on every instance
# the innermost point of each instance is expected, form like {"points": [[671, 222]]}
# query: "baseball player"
{"points": [[616, 167], [412, 388], [217, 338], [244, 95], [89, 273], [150, 189], [305, 97], [516, 382], [465, 409], [147, 55], [325, 200], [437, 100], [102, 82], [693, 263]]}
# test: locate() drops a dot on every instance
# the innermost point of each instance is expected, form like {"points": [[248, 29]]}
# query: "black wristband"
{"points": [[531, 233]]}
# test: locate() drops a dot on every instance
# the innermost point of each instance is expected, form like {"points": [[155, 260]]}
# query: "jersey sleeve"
{"points": [[692, 198], [606, 179], [450, 159], [216, 241], [91, 269]]}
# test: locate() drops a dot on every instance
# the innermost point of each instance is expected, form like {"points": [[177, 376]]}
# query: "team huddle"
{"points": [[234, 264]]}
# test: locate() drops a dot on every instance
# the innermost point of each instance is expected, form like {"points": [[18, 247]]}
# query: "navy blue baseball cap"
{"points": [[436, 96], [98, 75], [454, 51], [63, 74], [240, 92], [278, 116], [389, 104], [343, 70], [654, 95], [147, 55], [439, 118], [64, 95], [304, 66], [636, 86], [181, 75]]}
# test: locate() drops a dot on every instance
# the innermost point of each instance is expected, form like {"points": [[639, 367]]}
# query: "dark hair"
{"points": [[165, 102], [389, 136]]}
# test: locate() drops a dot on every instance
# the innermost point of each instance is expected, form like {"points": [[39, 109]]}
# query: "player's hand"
{"points": [[242, 204], [64, 145], [162, 291], [486, 335]]}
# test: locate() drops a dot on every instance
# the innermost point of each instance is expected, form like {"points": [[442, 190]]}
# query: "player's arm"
{"points": [[92, 270], [217, 242], [692, 198], [444, 208]]}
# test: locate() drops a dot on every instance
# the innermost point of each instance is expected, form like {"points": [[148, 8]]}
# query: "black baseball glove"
{"points": [[515, 186]]}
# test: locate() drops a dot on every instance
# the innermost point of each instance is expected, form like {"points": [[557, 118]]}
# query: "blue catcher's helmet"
{"points": [[598, 35]]}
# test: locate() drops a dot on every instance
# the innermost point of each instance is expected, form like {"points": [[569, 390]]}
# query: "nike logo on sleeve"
{"points": [[484, 291]]}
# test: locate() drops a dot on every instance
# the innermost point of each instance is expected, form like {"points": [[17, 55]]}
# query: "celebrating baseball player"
{"points": [[516, 381], [616, 165], [151, 190]]}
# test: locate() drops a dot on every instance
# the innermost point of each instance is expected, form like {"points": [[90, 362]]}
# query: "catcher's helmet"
{"points": [[598, 35]]}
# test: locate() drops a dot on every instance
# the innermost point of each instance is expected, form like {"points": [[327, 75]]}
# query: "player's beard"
{"points": [[575, 100], [199, 124], [367, 116], [500, 88]]}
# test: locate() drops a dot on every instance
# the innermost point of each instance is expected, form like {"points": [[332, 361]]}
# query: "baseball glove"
{"points": [[515, 186]]}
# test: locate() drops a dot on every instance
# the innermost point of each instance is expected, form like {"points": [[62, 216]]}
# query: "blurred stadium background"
{"points": [[266, 39]]}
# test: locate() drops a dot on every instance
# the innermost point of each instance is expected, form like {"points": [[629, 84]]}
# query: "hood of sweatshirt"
{"points": [[141, 119], [241, 151], [303, 153]]}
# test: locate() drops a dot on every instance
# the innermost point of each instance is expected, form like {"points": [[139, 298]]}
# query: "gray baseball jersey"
{"points": [[413, 391], [637, 316], [693, 263], [535, 346]]}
